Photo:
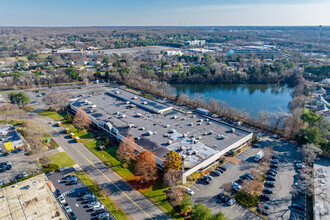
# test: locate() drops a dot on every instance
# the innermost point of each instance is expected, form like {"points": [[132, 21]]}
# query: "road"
{"points": [[131, 201]]}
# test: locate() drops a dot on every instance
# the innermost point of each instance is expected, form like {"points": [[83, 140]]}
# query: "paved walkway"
{"points": [[131, 201]]}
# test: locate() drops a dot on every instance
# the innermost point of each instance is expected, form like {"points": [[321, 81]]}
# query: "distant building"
{"points": [[10, 139], [195, 43]]}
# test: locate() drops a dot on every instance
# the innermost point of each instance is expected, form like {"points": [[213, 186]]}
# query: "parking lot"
{"points": [[281, 199], [20, 163], [70, 193]]}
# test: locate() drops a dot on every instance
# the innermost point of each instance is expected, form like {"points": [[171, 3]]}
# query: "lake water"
{"points": [[251, 98]]}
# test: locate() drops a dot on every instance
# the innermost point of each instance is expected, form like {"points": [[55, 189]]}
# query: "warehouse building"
{"points": [[159, 128]]}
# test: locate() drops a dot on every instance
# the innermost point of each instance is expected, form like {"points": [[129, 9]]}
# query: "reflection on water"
{"points": [[251, 98]]}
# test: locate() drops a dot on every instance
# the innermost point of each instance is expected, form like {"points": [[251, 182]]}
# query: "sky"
{"points": [[164, 12]]}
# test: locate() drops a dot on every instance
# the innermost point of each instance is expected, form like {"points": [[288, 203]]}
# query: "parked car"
{"points": [[271, 173], [221, 195], [57, 192], [73, 182], [223, 168], [207, 179], [71, 177], [189, 191], [297, 206], [103, 215], [274, 161], [275, 136], [49, 173], [72, 216], [216, 172], [275, 157], [269, 184], [263, 211], [85, 197], [273, 165], [63, 168], [68, 209], [272, 178], [231, 202], [298, 166], [273, 170], [8, 163], [93, 204], [257, 145], [249, 176], [235, 186], [267, 190], [219, 169], [99, 211], [98, 207], [61, 199], [265, 197], [92, 199], [226, 198]]}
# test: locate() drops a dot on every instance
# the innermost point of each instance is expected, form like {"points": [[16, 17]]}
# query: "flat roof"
{"points": [[322, 188], [194, 136], [29, 199]]}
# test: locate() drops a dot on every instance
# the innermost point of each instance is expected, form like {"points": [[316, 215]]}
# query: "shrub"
{"points": [[247, 199], [194, 176], [51, 167], [254, 139]]}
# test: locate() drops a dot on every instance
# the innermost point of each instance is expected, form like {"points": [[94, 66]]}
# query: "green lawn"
{"points": [[106, 200], [51, 114], [62, 159]]}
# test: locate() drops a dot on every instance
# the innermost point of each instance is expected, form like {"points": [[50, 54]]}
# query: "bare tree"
{"points": [[175, 195], [57, 100], [126, 150], [253, 187], [171, 177], [310, 152], [81, 119]]}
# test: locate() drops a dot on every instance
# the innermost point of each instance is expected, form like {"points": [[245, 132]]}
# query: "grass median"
{"points": [[62, 159], [113, 207]]}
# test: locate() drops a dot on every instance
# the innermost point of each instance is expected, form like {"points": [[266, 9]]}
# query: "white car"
{"points": [[98, 207], [63, 168], [68, 209], [93, 204], [61, 199], [8, 163], [189, 191]]}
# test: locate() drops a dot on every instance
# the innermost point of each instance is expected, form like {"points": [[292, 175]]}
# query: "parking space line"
{"points": [[239, 208], [250, 216], [244, 212], [233, 206]]}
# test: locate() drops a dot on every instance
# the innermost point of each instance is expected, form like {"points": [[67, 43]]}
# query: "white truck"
{"points": [[259, 156]]}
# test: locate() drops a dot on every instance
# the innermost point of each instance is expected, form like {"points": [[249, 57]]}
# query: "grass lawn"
{"points": [[62, 159], [106, 200]]}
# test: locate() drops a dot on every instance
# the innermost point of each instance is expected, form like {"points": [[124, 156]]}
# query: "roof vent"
{"points": [[232, 130], [117, 92], [142, 128], [172, 131]]}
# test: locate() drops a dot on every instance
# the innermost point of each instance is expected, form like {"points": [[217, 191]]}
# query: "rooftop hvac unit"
{"points": [[117, 113], [86, 101], [131, 125], [138, 138], [182, 147], [183, 119], [220, 137], [135, 97], [145, 103], [184, 156], [165, 135], [195, 141], [91, 111], [199, 138], [172, 131], [200, 120], [174, 117], [169, 142], [215, 146], [209, 123], [138, 115], [191, 124], [185, 135], [210, 133], [166, 126], [128, 102], [90, 103], [93, 106], [123, 116], [117, 92], [194, 116], [155, 132], [150, 133], [207, 119], [132, 106], [142, 128], [198, 124], [232, 130]]}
